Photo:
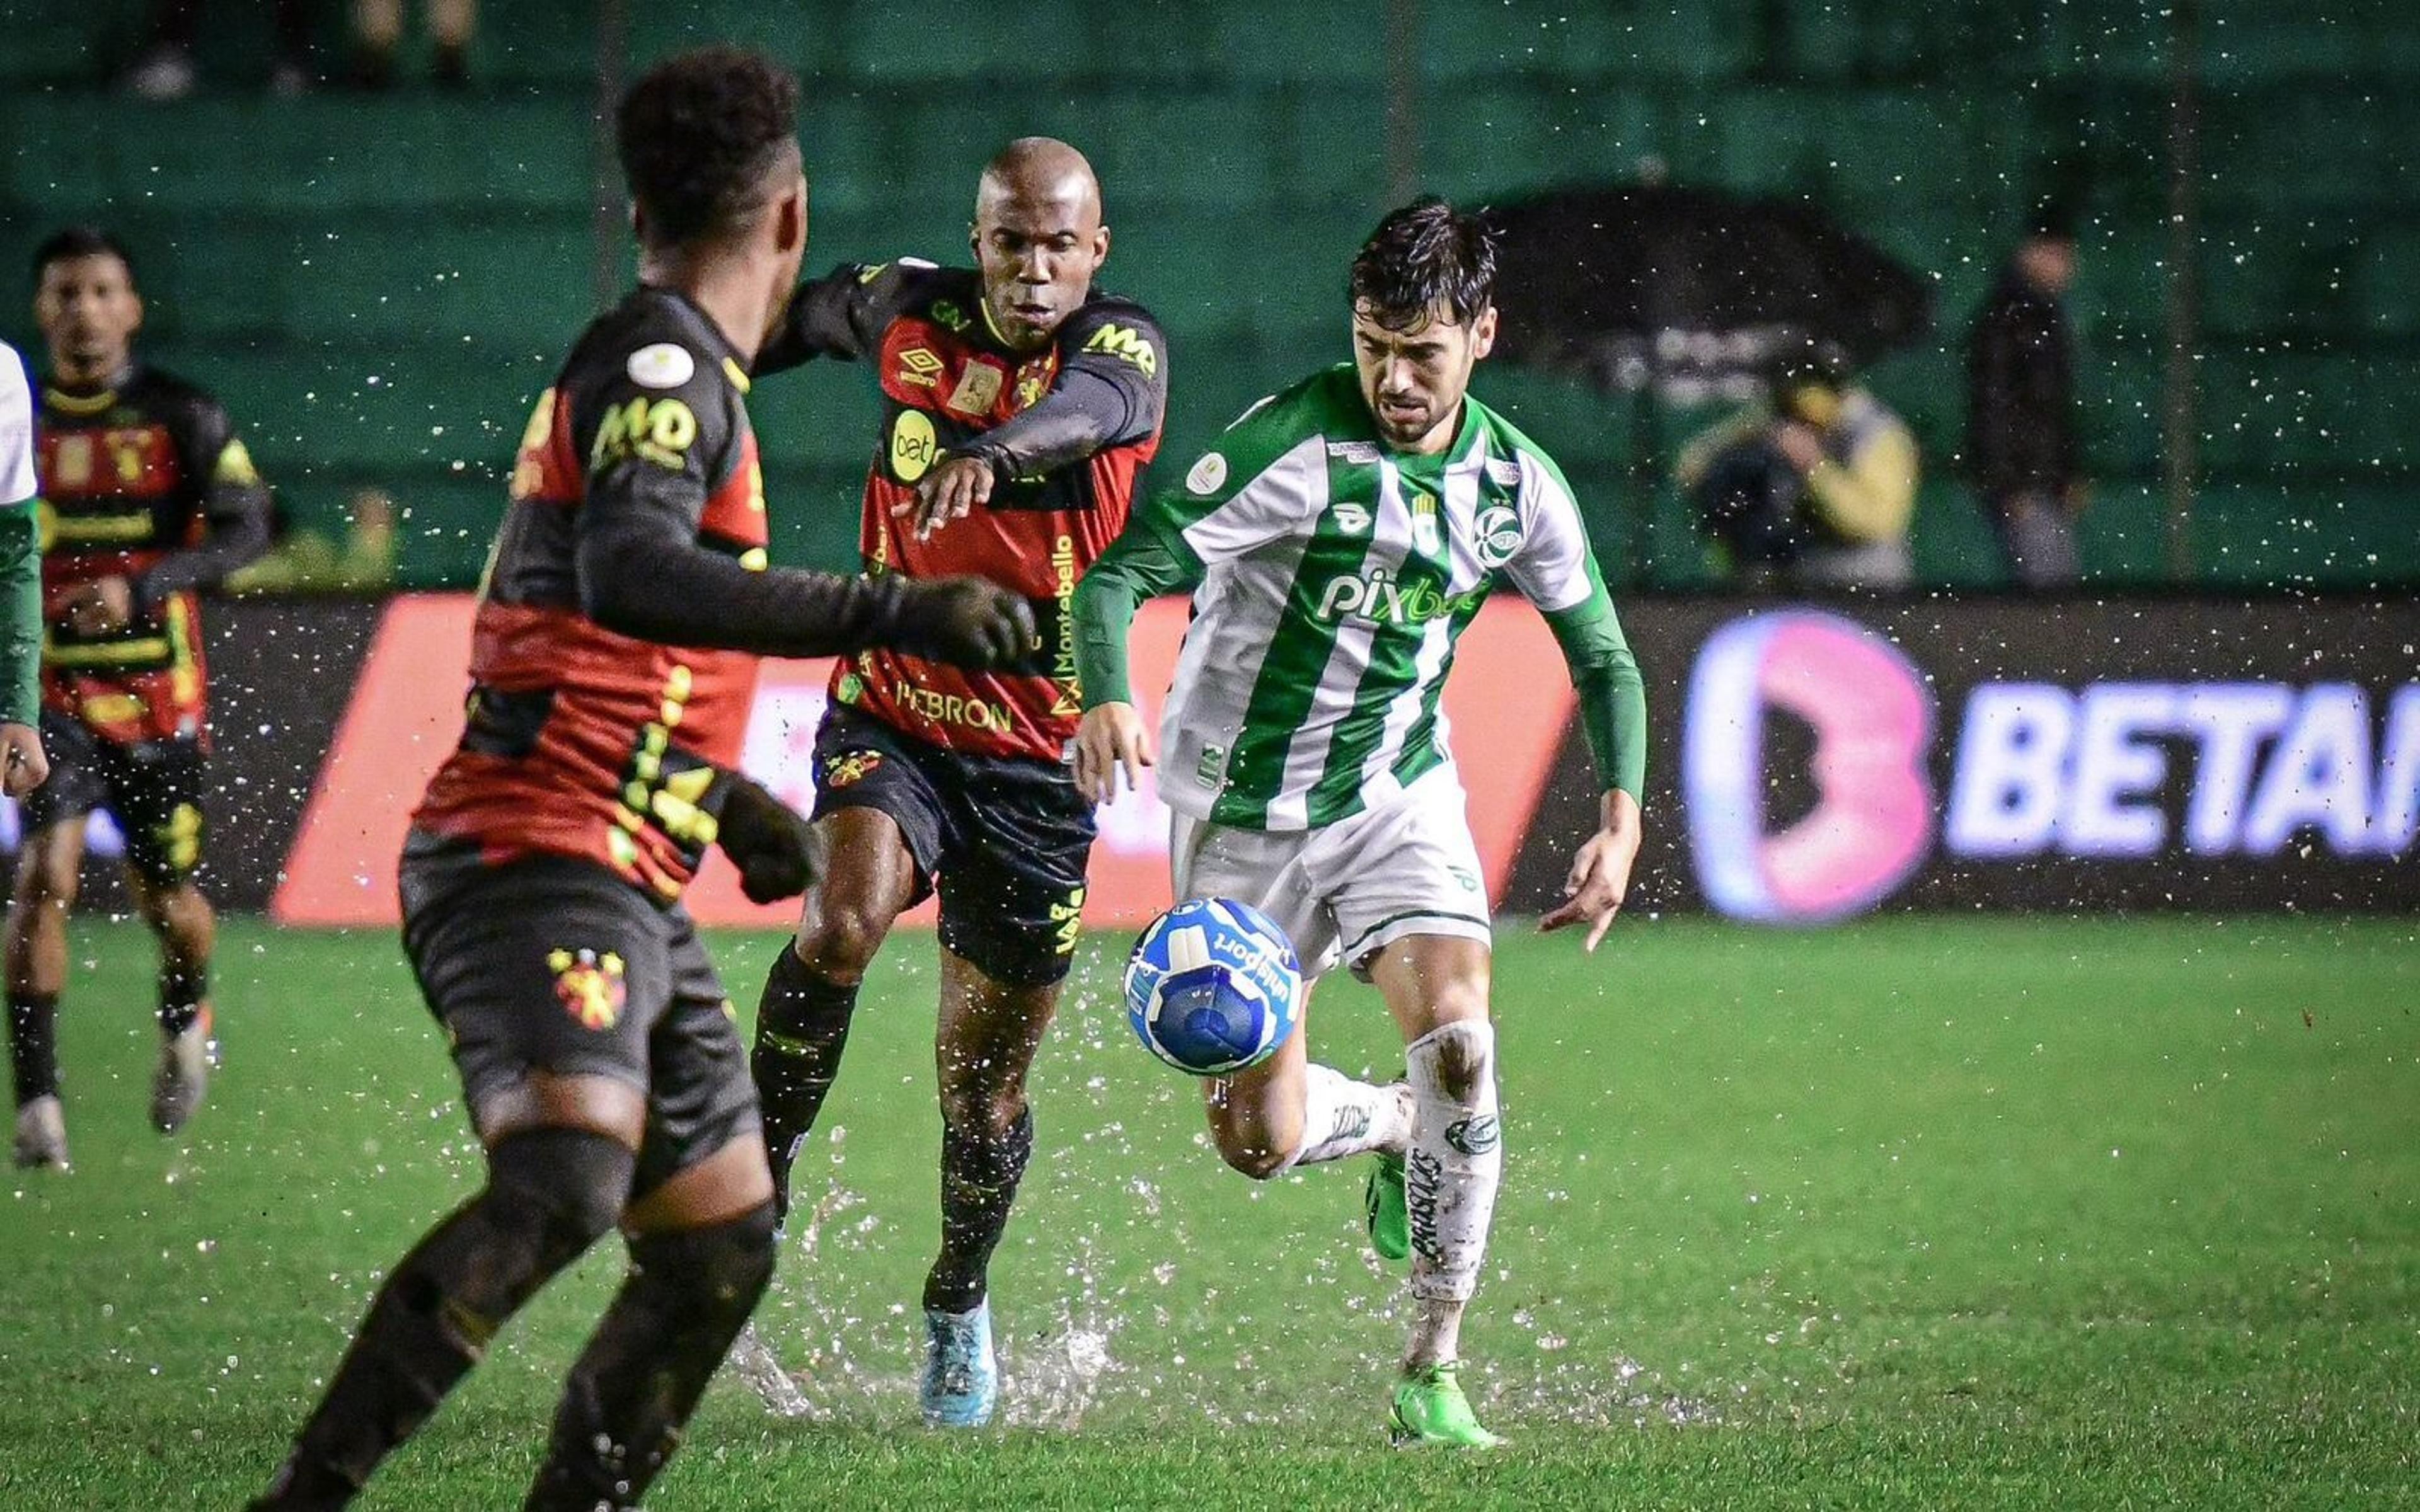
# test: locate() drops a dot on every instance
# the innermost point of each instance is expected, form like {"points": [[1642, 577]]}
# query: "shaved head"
{"points": [[1039, 169], [1038, 237]]}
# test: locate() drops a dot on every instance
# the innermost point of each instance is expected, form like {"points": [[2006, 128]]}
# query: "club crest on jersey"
{"points": [[662, 365], [850, 767], [1497, 535], [978, 388], [589, 986]]}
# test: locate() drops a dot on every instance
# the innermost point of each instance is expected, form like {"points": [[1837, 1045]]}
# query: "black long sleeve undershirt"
{"points": [[642, 574]]}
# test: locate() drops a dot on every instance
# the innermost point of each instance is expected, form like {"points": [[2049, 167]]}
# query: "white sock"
{"points": [[1342, 1116], [1456, 1160]]}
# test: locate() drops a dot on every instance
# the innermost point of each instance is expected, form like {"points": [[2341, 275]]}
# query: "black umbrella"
{"points": [[1691, 290]]}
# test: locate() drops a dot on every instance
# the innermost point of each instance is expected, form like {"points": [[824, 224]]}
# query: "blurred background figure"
{"points": [[379, 26], [301, 560], [1812, 486], [2021, 443], [165, 67]]}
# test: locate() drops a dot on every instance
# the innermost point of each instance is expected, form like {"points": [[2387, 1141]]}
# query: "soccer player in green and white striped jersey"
{"points": [[1337, 538]]}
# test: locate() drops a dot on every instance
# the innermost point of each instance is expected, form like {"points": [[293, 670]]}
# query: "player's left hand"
{"points": [[22, 766], [948, 492], [779, 854], [1599, 875], [101, 606]]}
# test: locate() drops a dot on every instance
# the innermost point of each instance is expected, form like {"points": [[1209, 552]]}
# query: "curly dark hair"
{"points": [[698, 133], [81, 241], [1422, 254]]}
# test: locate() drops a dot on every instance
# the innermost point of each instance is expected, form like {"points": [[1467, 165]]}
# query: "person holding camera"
{"points": [[1811, 488]]}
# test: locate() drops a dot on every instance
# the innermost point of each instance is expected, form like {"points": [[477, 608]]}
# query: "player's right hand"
{"points": [[966, 622], [22, 766], [1111, 739], [779, 854]]}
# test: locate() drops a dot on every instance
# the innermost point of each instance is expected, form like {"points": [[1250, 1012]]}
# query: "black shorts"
{"points": [[154, 790], [557, 964], [1008, 838]]}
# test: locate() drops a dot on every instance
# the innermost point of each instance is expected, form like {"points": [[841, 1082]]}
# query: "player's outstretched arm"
{"points": [[1112, 390], [644, 572], [1112, 737], [842, 314]]}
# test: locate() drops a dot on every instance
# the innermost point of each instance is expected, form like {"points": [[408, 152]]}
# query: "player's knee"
{"points": [[182, 918], [978, 1103], [573, 1182], [1460, 1057], [840, 937], [723, 1269], [46, 881]]}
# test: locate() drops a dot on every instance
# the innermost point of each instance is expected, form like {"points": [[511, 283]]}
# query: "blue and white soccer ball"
{"points": [[1213, 986]]}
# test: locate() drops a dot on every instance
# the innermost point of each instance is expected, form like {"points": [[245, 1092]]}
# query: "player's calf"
{"points": [[687, 1296], [551, 1193], [1451, 1174], [802, 1029]]}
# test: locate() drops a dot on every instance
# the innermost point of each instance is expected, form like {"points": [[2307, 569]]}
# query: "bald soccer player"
{"points": [[1018, 404]]}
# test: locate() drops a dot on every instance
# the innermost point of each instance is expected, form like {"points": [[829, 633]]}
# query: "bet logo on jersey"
{"points": [[589, 986]]}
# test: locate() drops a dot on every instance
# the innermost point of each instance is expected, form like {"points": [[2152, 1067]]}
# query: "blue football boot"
{"points": [[961, 1381]]}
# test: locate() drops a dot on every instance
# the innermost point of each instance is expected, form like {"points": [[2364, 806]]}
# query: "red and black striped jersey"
{"points": [[143, 480], [581, 740], [1066, 428]]}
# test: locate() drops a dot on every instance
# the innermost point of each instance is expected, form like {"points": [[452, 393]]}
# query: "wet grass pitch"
{"points": [[1918, 1213]]}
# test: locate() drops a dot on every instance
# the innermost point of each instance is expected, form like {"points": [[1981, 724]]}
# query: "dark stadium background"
{"points": [[378, 284]]}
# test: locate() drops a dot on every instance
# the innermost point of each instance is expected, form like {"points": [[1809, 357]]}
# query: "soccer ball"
{"points": [[1213, 986]]}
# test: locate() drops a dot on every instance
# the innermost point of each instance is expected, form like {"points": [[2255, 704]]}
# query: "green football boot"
{"points": [[1382, 1202], [1430, 1407]]}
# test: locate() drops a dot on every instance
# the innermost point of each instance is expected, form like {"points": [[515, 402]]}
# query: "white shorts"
{"points": [[1343, 892]]}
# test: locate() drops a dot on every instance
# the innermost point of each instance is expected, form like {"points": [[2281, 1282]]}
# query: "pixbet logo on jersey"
{"points": [[2163, 771], [1377, 596]]}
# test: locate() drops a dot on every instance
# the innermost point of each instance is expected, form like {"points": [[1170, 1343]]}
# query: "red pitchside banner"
{"points": [[1508, 702]]}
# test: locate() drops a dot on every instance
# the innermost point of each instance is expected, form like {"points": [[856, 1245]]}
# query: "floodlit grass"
{"points": [[1923, 1213]]}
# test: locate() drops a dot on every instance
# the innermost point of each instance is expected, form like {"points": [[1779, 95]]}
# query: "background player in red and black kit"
{"points": [[1017, 396], [613, 658], [147, 499]]}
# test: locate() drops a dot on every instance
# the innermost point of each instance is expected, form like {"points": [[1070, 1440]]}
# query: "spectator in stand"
{"points": [[1812, 488], [378, 24], [2021, 447], [165, 69]]}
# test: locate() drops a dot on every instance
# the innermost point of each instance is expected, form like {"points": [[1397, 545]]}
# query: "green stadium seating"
{"points": [[441, 244]]}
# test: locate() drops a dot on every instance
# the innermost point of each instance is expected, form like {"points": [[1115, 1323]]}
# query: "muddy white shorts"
{"points": [[1344, 892]]}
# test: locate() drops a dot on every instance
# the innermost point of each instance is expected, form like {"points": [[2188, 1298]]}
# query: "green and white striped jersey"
{"points": [[1335, 575]]}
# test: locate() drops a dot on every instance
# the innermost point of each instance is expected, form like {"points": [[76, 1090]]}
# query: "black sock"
{"points": [[551, 1193], [182, 993], [625, 1401], [34, 1044], [979, 1178], [801, 1028]]}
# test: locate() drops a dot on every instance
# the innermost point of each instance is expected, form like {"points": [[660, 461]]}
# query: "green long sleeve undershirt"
{"points": [[1142, 564], [21, 614]]}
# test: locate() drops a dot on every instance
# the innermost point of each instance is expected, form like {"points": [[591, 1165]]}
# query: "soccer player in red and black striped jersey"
{"points": [[1018, 403], [614, 655], [148, 499]]}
